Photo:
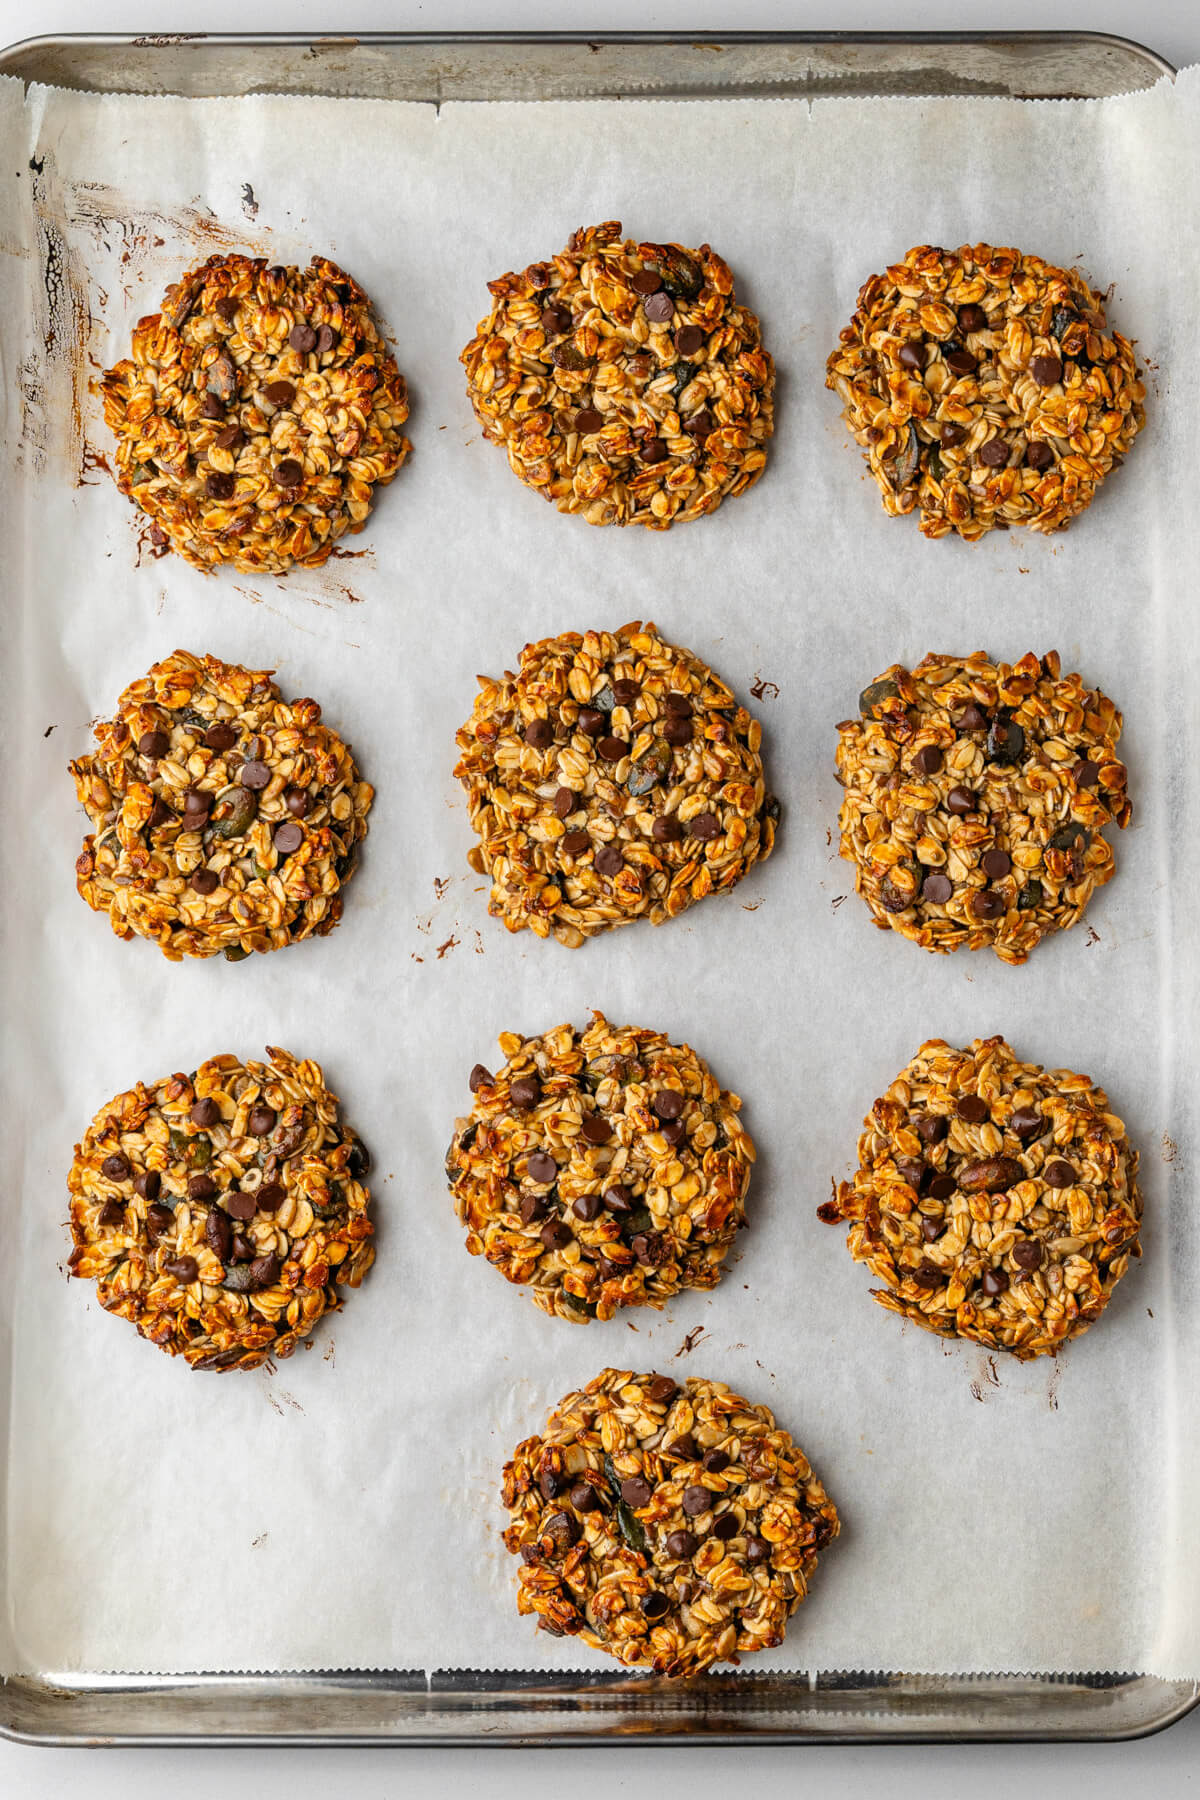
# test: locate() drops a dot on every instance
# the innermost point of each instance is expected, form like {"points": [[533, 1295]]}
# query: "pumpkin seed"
{"points": [[650, 768], [876, 694]]}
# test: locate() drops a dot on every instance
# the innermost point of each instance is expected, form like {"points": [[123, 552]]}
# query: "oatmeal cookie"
{"points": [[624, 380], [672, 1526], [986, 388], [225, 818], [221, 1212], [996, 1199], [614, 778], [601, 1168], [256, 413], [977, 794]]}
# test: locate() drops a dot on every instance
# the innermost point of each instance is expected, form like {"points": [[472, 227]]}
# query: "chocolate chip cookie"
{"points": [[673, 1526], [624, 380], [225, 818], [996, 1199], [257, 413], [600, 1168], [977, 794], [986, 389], [222, 1212], [613, 778]]}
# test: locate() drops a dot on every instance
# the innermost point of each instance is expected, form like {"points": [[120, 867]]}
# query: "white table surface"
{"points": [[1161, 1764]]}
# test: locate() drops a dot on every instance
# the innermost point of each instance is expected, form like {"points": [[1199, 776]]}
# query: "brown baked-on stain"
{"points": [[150, 540], [694, 1336], [451, 943], [763, 689]]}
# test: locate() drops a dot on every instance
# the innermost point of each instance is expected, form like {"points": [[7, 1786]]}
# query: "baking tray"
{"points": [[466, 1707]]}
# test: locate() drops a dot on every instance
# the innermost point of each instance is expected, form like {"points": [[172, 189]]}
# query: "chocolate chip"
{"points": [[932, 1128], [931, 1229], [183, 1268], [928, 759], [288, 837], [994, 453], [153, 744], [715, 1460], [326, 338], [201, 1187], [700, 426], [677, 730], [654, 1605], [994, 1281], [584, 1497], [116, 1167], [995, 864], [211, 407], [682, 1545], [565, 802], [588, 1207], [668, 1103], [204, 881], [961, 362], [937, 889], [148, 1183], [205, 1112], [254, 775], [678, 703], [218, 1233], [268, 1198], [674, 1131], [659, 307], [525, 1092], [1087, 774], [612, 749], [667, 829], [230, 439], [242, 1250], [220, 738], [1026, 1122], [636, 1491], [625, 691], [972, 318], [757, 1550], [592, 721], [595, 1129], [196, 806], [288, 474], [618, 1198], [609, 861], [654, 451], [539, 733], [971, 718], [479, 1078], [298, 801], [973, 1108], [927, 1274], [660, 1388], [220, 486], [541, 1168], [706, 827], [160, 814], [913, 356], [910, 1170], [986, 905], [588, 421], [262, 1119], [159, 1220], [684, 1447], [575, 843], [227, 307], [645, 281], [240, 1205], [941, 1187], [726, 1527], [280, 393], [1028, 1254], [1058, 1174], [533, 1207], [1046, 370], [302, 338], [551, 1484], [555, 1235], [555, 320], [562, 1530], [961, 800], [952, 434], [264, 1270], [696, 1500], [1038, 455]]}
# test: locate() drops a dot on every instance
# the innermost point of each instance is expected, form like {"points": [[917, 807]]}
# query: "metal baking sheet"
{"points": [[58, 1706]]}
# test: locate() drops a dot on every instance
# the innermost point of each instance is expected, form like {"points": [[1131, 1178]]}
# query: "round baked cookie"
{"points": [[222, 1212], [600, 1168], [996, 1199], [673, 1526], [986, 389], [256, 413], [624, 380], [613, 778], [224, 817], [976, 798]]}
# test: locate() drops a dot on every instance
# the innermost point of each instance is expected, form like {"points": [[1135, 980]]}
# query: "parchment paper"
{"points": [[341, 1511]]}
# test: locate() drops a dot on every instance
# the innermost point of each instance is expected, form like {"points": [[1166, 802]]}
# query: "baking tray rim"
{"points": [[1174, 1704]]}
